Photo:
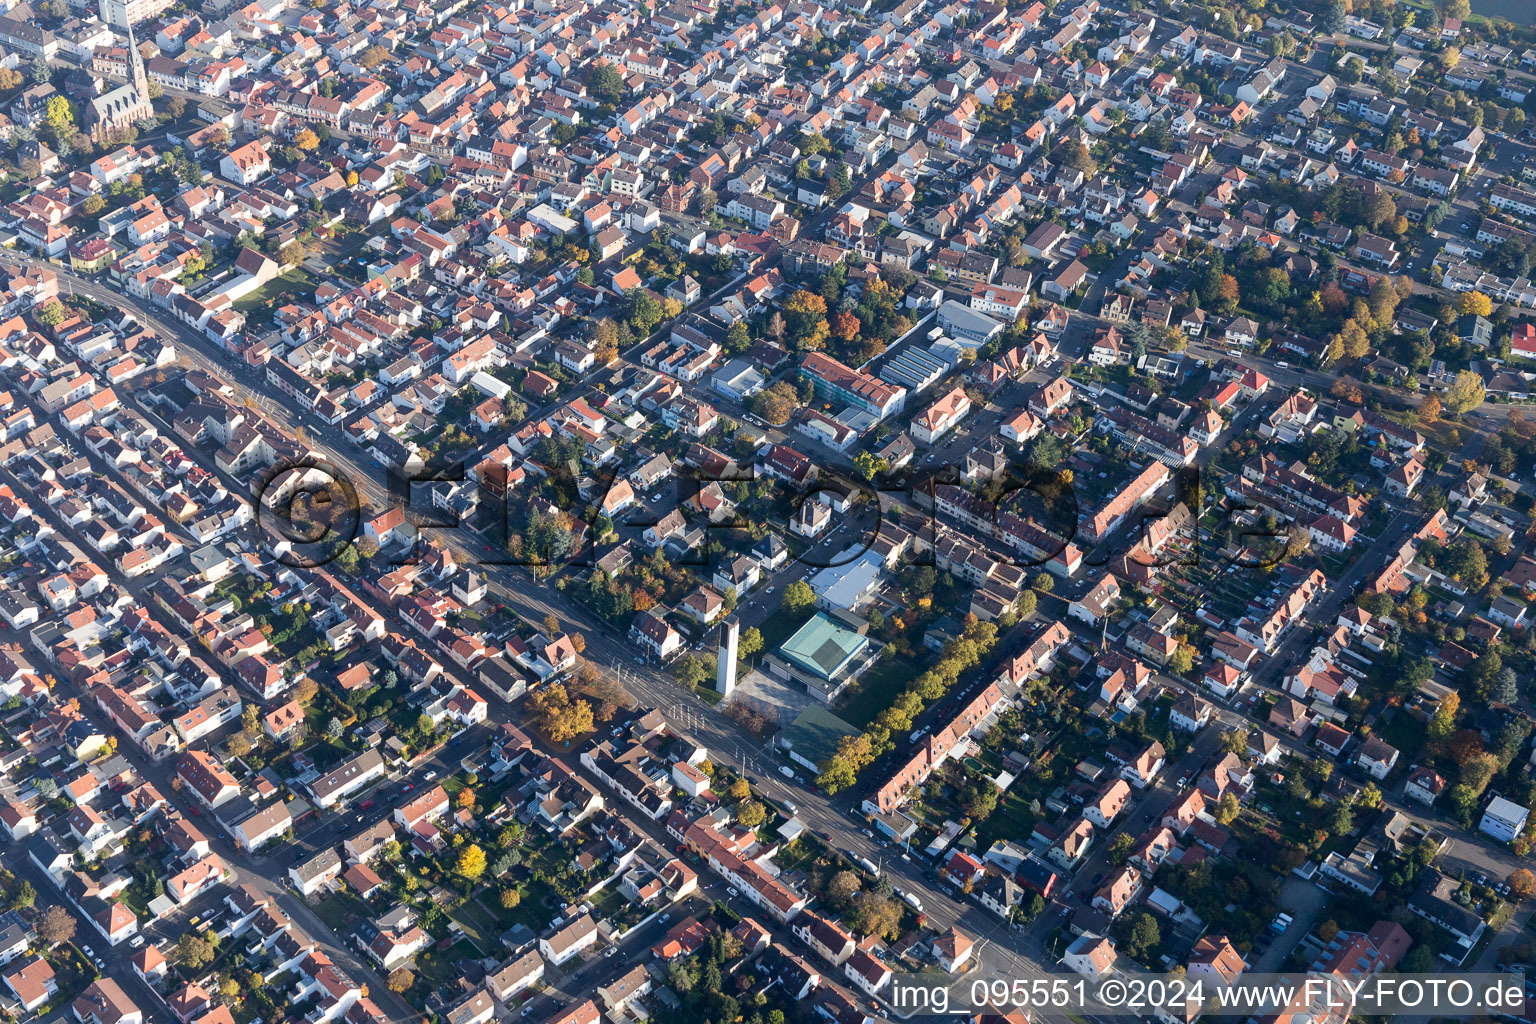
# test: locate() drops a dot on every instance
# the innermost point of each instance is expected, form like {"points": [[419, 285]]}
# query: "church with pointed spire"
{"points": [[124, 106]]}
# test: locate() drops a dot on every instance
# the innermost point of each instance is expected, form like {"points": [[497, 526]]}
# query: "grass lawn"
{"points": [[1334, 566], [339, 910], [489, 794], [532, 911], [72, 973], [1404, 732], [478, 923], [879, 687], [296, 282], [607, 902], [1439, 433], [134, 902], [435, 966], [536, 897], [780, 626], [799, 855], [1011, 820], [327, 752], [464, 949]]}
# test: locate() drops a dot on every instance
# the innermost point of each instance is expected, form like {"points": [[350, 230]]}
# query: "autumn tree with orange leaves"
{"points": [[845, 326]]}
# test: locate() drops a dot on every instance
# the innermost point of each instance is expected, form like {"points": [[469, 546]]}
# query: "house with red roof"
{"points": [[1523, 341]]}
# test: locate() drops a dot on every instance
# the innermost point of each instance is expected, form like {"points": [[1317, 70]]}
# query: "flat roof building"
{"points": [[824, 655], [1504, 819], [961, 320]]}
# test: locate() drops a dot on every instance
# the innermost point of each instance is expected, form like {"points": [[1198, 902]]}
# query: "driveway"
{"points": [[1303, 901]]}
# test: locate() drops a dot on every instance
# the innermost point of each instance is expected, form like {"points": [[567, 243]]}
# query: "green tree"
{"points": [[1142, 936], [1465, 393], [874, 914], [1443, 722], [347, 560], [843, 887], [869, 465], [776, 404], [605, 82], [52, 314], [60, 119], [836, 774], [1506, 686], [798, 596], [193, 950], [1334, 18], [470, 862], [737, 338], [691, 670], [1466, 562], [980, 801], [643, 312], [838, 183]]}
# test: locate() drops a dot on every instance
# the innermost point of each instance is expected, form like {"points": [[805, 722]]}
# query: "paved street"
{"points": [[262, 873], [1007, 952]]}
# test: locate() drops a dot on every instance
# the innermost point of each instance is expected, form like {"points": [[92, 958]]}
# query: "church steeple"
{"points": [[136, 66]]}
